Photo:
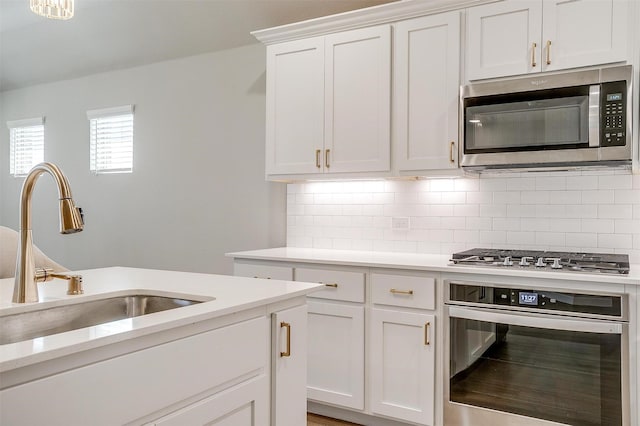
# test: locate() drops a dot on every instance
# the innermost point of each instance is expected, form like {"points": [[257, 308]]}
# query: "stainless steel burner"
{"points": [[599, 263]]}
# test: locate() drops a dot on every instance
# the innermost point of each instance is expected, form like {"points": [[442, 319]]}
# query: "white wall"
{"points": [[197, 189], [576, 211]]}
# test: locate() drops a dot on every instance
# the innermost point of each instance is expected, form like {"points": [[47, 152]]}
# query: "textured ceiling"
{"points": [[111, 34]]}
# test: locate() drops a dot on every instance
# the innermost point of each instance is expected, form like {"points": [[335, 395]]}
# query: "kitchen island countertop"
{"points": [[223, 295]]}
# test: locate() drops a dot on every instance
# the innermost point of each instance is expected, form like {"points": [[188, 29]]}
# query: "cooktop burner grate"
{"points": [[603, 263]]}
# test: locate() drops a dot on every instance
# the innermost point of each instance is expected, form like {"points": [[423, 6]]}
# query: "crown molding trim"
{"points": [[359, 18]]}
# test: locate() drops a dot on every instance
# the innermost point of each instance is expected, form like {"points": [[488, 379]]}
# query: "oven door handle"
{"points": [[526, 319]]}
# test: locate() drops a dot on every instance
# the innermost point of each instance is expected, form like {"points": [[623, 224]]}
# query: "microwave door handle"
{"points": [[526, 319], [594, 116]]}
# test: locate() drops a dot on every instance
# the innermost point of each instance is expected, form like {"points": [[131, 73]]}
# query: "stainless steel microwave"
{"points": [[555, 121]]}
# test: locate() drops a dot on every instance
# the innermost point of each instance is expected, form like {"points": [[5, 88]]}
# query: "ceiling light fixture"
{"points": [[54, 9]]}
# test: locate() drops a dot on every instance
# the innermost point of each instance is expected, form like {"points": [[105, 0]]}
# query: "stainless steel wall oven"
{"points": [[531, 356]]}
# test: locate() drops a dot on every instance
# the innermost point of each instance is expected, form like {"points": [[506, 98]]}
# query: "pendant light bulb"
{"points": [[53, 9]]}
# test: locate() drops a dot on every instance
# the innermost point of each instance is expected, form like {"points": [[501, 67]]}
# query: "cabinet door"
{"points": [[336, 354], [289, 362], [504, 39], [426, 92], [295, 105], [357, 96], [244, 405], [403, 365], [583, 32]]}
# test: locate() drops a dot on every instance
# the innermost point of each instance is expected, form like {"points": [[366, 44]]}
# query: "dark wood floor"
{"points": [[553, 374], [315, 420]]}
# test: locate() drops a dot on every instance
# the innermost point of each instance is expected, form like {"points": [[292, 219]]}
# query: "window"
{"points": [[111, 139], [26, 145]]}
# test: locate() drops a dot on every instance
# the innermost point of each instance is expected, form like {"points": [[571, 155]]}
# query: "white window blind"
{"points": [[111, 139], [26, 145]]}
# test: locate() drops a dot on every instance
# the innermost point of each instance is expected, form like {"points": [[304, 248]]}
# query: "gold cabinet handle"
{"points": [[334, 285], [533, 54], [326, 158], [451, 146], [548, 52], [288, 327], [318, 158], [426, 333], [255, 276], [396, 291]]}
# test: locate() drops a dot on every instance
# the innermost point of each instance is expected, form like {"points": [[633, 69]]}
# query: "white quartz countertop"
{"points": [[222, 294], [426, 262]]}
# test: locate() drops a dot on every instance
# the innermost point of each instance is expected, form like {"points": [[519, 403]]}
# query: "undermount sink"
{"points": [[58, 319]]}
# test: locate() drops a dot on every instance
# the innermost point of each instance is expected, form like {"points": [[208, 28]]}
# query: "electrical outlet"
{"points": [[400, 223]]}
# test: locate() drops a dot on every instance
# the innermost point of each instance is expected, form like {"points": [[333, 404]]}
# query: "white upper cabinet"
{"points": [[358, 96], [582, 33], [328, 103], [426, 92], [295, 106], [526, 36]]}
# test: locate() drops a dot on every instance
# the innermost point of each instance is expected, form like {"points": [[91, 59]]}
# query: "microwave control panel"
{"points": [[613, 114]]}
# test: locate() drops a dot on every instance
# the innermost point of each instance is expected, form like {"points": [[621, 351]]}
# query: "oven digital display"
{"points": [[528, 298], [614, 97]]}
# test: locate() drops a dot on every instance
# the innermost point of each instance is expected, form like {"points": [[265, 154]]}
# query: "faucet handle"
{"points": [[75, 281], [44, 274]]}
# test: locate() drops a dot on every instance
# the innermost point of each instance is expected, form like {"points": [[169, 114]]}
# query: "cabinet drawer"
{"points": [[275, 272], [403, 290], [340, 285]]}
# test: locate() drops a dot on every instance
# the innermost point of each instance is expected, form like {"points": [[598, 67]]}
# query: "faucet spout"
{"points": [[25, 289]]}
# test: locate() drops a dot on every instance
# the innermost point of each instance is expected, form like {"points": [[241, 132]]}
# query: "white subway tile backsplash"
{"points": [[582, 239], [615, 182], [603, 226], [586, 211], [582, 182], [535, 197], [506, 197], [615, 211], [521, 238], [565, 197], [521, 184], [454, 197], [551, 239], [615, 241], [627, 196], [582, 211], [467, 210], [453, 223], [551, 183], [598, 196]]}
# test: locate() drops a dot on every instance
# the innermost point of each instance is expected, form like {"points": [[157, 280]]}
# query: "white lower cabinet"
{"points": [[289, 367], [402, 351], [243, 405], [336, 354], [218, 377]]}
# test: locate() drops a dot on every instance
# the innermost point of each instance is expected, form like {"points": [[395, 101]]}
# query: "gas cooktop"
{"points": [[595, 263]]}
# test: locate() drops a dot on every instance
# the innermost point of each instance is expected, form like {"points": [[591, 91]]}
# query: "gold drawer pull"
{"points": [[533, 54], [548, 52], [334, 285], [318, 158], [396, 291], [255, 276], [288, 327], [451, 159], [426, 334], [326, 158]]}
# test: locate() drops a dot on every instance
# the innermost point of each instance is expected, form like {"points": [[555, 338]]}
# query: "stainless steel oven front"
{"points": [[526, 356]]}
